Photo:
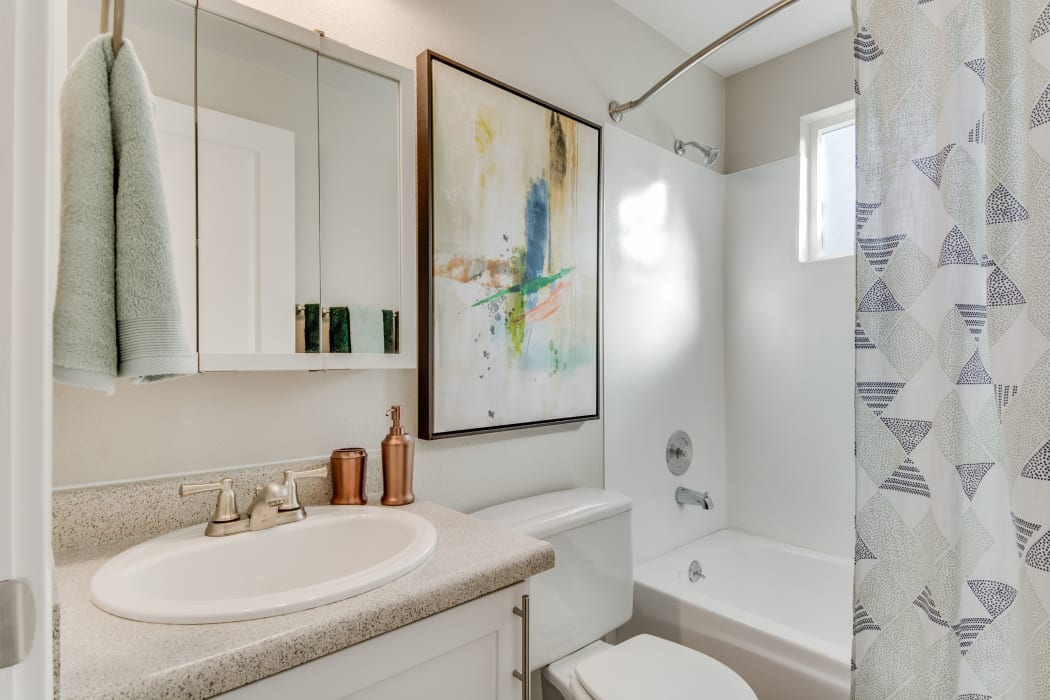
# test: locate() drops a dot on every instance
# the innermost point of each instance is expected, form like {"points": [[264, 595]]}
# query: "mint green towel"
{"points": [[116, 309], [85, 332], [152, 346], [366, 329]]}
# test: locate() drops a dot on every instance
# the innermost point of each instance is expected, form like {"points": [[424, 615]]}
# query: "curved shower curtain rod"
{"points": [[616, 109]]}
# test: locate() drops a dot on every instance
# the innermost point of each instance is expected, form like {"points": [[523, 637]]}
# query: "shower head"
{"points": [[710, 153]]}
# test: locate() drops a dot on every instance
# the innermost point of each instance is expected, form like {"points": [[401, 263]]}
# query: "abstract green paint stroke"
{"points": [[526, 287]]}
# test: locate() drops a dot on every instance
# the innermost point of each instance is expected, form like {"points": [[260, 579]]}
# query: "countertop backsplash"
{"points": [[86, 516]]}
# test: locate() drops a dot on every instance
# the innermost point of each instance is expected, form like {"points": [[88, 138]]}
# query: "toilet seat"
{"points": [[562, 673], [647, 666]]}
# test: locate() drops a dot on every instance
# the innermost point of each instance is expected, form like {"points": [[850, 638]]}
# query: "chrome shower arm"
{"points": [[617, 110], [710, 153]]}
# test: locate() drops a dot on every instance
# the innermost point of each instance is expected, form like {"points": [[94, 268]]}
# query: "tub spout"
{"points": [[689, 497]]}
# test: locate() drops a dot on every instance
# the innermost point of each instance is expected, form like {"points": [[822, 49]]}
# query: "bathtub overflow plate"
{"points": [[695, 572], [679, 452]]}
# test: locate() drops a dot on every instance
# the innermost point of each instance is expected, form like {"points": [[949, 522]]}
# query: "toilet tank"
{"points": [[589, 592]]}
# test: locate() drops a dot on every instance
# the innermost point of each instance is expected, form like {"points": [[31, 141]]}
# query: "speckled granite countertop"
{"points": [[104, 656]]}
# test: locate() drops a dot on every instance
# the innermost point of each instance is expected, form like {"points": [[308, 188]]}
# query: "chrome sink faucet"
{"points": [[689, 497], [262, 513], [274, 504]]}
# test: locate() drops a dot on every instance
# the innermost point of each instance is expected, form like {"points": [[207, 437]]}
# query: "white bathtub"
{"points": [[780, 616]]}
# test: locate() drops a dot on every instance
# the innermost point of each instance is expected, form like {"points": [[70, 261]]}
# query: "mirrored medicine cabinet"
{"points": [[288, 165]]}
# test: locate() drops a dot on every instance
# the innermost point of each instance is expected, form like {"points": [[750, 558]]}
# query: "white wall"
{"points": [[664, 337], [764, 103], [789, 325], [578, 55]]}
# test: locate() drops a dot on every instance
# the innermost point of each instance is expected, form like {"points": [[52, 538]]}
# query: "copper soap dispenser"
{"points": [[398, 449]]}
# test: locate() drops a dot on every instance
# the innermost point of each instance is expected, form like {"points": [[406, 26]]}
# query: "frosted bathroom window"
{"points": [[827, 228]]}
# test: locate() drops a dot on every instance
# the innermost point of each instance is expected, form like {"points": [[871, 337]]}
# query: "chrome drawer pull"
{"points": [[523, 675]]}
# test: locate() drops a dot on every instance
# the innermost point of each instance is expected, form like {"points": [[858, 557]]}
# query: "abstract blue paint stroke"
{"points": [[537, 234]]}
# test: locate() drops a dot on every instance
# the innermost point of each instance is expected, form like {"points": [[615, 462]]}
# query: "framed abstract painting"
{"points": [[509, 221]]}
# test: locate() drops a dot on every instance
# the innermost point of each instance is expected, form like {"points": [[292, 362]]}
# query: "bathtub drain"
{"points": [[695, 572]]}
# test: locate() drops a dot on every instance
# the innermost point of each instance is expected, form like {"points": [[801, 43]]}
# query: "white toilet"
{"points": [[588, 594]]}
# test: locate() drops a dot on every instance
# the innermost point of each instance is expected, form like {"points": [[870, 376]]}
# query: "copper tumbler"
{"points": [[348, 476]]}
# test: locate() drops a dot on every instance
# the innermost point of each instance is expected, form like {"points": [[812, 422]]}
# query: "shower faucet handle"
{"points": [[678, 452]]}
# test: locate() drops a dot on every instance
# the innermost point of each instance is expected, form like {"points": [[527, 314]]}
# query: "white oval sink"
{"points": [[184, 577]]}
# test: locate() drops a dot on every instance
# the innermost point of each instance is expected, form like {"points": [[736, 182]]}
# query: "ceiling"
{"points": [[693, 24]]}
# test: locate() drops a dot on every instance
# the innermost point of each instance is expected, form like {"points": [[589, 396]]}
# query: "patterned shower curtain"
{"points": [[952, 583]]}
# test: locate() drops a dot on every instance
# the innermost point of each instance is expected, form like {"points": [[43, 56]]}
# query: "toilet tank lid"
{"points": [[559, 511]]}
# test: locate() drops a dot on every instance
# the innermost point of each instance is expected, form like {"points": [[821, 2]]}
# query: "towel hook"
{"points": [[118, 23]]}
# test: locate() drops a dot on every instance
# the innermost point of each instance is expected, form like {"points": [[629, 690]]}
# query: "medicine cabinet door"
{"points": [[258, 256], [367, 158]]}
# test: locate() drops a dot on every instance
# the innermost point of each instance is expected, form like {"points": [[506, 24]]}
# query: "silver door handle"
{"points": [[523, 675], [17, 621]]}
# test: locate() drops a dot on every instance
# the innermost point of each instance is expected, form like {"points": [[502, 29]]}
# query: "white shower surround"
{"points": [[778, 614], [664, 330], [789, 369]]}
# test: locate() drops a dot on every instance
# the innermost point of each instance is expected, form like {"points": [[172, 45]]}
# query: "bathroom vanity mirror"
{"points": [[306, 199]]}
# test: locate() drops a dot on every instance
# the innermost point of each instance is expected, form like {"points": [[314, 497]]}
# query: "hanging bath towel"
{"points": [[85, 332], [150, 340], [116, 309]]}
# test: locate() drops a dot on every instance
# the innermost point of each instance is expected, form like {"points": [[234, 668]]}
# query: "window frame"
{"points": [[812, 129]]}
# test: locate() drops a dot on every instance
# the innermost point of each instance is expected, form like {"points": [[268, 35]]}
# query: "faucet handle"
{"points": [[290, 476], [225, 503]]}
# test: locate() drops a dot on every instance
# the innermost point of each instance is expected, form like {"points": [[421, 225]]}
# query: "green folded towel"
{"points": [[339, 329], [116, 305], [389, 330], [312, 328], [85, 322]]}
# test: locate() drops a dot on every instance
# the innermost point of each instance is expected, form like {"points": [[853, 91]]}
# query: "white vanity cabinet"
{"points": [[469, 652]]}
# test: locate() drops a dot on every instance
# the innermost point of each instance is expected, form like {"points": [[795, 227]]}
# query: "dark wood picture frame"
{"points": [[425, 249]]}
